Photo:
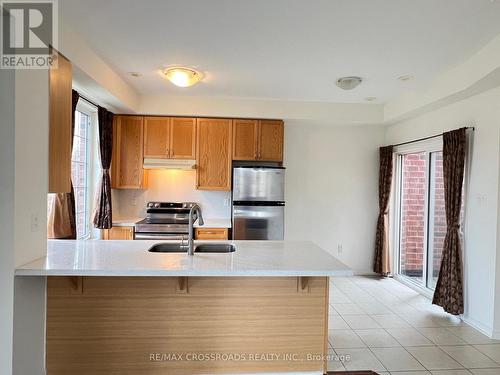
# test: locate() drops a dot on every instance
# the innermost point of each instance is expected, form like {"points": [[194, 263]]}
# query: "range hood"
{"points": [[150, 163]]}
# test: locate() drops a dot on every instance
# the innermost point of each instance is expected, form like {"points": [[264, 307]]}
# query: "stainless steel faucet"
{"points": [[194, 213]]}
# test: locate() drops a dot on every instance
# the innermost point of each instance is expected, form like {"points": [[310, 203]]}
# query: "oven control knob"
{"points": [[157, 205], [150, 204]]}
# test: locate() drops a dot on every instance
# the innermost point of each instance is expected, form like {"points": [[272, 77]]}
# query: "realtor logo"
{"points": [[29, 33]]}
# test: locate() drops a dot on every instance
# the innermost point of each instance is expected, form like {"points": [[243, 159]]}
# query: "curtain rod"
{"points": [[430, 137], [88, 100]]}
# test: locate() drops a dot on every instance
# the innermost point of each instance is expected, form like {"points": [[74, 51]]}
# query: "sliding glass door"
{"points": [[413, 216], [437, 218], [420, 215]]}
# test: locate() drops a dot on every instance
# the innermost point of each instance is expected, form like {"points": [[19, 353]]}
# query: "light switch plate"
{"points": [[35, 222]]}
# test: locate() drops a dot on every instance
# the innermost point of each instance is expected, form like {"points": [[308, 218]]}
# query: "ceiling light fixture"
{"points": [[349, 83], [182, 77]]}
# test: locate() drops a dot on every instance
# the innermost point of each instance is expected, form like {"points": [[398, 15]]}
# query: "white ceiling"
{"points": [[285, 49]]}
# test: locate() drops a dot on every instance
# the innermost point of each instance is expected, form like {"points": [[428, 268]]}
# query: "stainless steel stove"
{"points": [[164, 221]]}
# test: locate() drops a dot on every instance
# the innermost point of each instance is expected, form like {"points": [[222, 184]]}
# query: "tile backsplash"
{"points": [[171, 186]]}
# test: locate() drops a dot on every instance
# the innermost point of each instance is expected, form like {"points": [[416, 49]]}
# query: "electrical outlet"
{"points": [[35, 223], [340, 248]]}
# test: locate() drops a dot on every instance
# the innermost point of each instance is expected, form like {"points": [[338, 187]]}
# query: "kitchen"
{"points": [[247, 187], [195, 265], [247, 172]]}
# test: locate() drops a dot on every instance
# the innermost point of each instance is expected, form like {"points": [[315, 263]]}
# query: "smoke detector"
{"points": [[349, 83]]}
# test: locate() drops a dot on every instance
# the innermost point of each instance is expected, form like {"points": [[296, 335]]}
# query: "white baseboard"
{"points": [[496, 335], [484, 329]]}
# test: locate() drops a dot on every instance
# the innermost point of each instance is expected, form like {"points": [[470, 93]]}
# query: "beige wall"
{"points": [[23, 195], [7, 262], [171, 186], [483, 112], [331, 188], [31, 163]]}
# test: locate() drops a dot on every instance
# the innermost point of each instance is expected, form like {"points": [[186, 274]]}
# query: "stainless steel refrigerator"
{"points": [[258, 203]]}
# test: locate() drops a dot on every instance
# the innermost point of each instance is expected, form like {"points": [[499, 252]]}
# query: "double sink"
{"points": [[202, 248]]}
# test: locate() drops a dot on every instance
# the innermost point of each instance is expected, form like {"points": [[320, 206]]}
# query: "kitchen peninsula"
{"points": [[113, 307]]}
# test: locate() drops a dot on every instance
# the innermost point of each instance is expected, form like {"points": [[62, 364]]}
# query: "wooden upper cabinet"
{"points": [[169, 138], [245, 139], [214, 154], [157, 137], [183, 138], [271, 140], [258, 140], [60, 133], [126, 168]]}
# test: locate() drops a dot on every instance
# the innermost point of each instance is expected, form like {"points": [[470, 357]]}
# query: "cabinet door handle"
{"points": [[168, 152]]}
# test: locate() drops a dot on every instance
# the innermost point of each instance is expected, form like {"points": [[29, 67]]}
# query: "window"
{"points": [[420, 217], [80, 172], [85, 168]]}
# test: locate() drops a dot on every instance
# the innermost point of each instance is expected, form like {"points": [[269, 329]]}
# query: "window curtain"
{"points": [[382, 264], [103, 218], [61, 210], [449, 287]]}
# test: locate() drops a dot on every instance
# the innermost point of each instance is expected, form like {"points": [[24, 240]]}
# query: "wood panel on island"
{"points": [[109, 325]]}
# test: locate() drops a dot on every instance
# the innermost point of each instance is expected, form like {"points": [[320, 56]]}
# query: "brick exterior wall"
{"points": [[413, 213], [439, 228]]}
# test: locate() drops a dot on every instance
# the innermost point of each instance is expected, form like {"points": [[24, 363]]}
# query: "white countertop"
{"points": [[131, 258], [209, 222]]}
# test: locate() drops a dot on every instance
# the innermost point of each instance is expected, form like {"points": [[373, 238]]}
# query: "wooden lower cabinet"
{"points": [[118, 233], [211, 233], [186, 325]]}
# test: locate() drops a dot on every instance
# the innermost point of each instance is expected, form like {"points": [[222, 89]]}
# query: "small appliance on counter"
{"points": [[164, 221], [258, 203]]}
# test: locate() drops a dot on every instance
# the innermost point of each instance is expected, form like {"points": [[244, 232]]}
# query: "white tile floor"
{"points": [[382, 325]]}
